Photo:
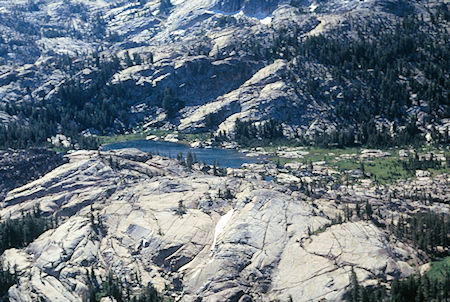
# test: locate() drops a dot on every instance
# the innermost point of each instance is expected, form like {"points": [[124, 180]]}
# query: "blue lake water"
{"points": [[223, 157]]}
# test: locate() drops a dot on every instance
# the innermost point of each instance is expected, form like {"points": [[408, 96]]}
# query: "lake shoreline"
{"points": [[228, 158]]}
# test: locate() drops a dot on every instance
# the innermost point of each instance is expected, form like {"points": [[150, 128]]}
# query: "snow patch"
{"points": [[266, 20], [221, 226]]}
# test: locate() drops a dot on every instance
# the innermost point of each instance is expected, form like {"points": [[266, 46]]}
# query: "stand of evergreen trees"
{"points": [[110, 287], [376, 73], [121, 291], [415, 288], [190, 159], [7, 279], [76, 107], [170, 103], [428, 231], [370, 135], [247, 132], [18, 233], [415, 163]]}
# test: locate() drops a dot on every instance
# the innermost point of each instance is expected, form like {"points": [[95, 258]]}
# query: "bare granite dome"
{"points": [[259, 244]]}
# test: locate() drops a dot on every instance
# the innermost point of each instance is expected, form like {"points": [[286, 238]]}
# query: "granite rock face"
{"points": [[119, 212], [18, 167], [210, 53], [264, 96], [250, 7]]}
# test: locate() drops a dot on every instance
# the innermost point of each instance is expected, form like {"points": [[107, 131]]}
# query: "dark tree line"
{"points": [[77, 107], [171, 103], [247, 131], [420, 289], [190, 159], [82, 102], [19, 232], [19, 167], [375, 72], [376, 75], [370, 135], [427, 231], [415, 163], [358, 293], [415, 288], [7, 279], [121, 291]]}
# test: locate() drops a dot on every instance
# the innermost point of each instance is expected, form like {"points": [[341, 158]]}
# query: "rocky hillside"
{"points": [[102, 67], [312, 225], [200, 237], [19, 167]]}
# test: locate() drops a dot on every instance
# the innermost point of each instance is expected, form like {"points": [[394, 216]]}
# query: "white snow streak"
{"points": [[221, 226]]}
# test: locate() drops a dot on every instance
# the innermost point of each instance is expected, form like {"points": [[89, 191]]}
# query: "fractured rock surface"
{"points": [[119, 212]]}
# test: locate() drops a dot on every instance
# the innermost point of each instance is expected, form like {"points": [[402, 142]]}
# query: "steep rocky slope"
{"points": [[20, 167], [149, 219], [199, 65], [354, 69]]}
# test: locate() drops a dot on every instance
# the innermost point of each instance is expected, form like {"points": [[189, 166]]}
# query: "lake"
{"points": [[222, 157]]}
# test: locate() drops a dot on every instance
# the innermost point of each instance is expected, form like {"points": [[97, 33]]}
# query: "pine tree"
{"points": [[354, 287], [369, 210], [189, 160]]}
